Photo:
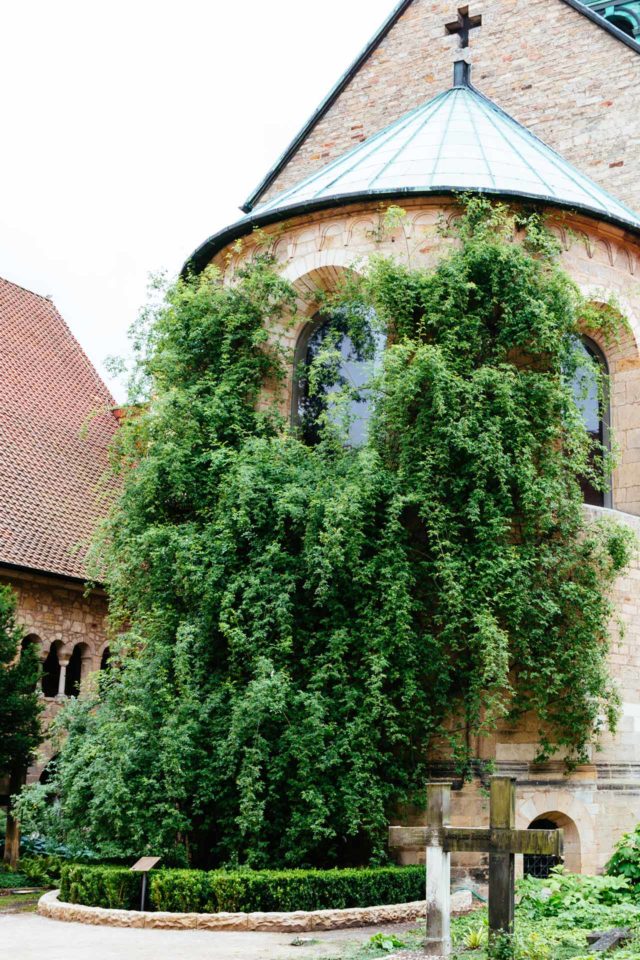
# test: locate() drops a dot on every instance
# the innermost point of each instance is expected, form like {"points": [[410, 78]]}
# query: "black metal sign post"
{"points": [[143, 866]]}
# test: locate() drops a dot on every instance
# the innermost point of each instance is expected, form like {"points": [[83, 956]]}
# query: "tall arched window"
{"points": [[590, 389], [344, 368]]}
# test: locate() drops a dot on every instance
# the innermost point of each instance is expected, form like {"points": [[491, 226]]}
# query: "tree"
{"points": [[304, 624], [20, 708]]}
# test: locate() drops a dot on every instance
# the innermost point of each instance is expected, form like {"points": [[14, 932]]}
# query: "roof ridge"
{"points": [[19, 286], [326, 104]]}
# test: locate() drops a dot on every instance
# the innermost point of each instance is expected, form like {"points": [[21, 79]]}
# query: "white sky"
{"points": [[133, 130]]}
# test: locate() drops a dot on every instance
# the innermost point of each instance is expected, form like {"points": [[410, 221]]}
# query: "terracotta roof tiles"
{"points": [[56, 423]]}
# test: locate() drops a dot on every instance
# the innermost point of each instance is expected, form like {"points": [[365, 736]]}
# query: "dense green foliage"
{"points": [[199, 891], [19, 702], [301, 624], [553, 920], [625, 861]]}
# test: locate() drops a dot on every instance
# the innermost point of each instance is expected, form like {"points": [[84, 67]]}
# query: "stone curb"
{"points": [[301, 922]]}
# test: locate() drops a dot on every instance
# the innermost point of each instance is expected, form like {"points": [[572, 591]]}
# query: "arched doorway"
{"points": [[541, 866]]}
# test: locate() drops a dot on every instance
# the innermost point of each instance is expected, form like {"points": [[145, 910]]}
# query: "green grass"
{"points": [[19, 903]]}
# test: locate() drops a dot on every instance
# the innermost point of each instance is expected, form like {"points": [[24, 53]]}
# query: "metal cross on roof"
{"points": [[463, 25]]}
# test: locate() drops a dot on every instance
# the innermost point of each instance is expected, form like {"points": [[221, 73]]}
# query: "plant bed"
{"points": [[295, 922], [245, 891]]}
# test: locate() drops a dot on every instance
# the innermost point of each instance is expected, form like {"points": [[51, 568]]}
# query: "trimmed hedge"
{"points": [[244, 891]]}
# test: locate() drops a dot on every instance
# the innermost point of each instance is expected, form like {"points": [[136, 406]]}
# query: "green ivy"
{"points": [[301, 626]]}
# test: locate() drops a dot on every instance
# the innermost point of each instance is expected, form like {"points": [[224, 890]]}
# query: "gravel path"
{"points": [[31, 937]]}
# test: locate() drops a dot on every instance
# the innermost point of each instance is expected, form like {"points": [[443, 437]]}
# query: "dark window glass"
{"points": [[593, 406], [344, 368]]}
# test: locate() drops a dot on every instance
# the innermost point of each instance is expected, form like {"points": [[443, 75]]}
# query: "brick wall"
{"points": [[552, 69]]}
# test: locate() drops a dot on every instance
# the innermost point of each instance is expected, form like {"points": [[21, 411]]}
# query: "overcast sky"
{"points": [[133, 130]]}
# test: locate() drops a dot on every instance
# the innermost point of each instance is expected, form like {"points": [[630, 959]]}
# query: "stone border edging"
{"points": [[301, 922]]}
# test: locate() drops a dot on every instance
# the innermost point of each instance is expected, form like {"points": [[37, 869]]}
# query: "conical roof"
{"points": [[458, 141]]}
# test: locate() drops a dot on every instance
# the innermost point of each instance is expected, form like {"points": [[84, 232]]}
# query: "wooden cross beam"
{"points": [[463, 26], [501, 841]]}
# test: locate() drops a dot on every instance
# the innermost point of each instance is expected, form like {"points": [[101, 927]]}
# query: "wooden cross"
{"points": [[501, 841], [463, 25]]}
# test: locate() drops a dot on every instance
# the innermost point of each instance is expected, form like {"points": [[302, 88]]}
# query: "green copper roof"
{"points": [[623, 14], [458, 141]]}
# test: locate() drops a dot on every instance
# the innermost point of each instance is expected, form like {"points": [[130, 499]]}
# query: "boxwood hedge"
{"points": [[243, 891]]}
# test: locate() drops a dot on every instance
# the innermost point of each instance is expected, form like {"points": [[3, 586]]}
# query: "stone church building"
{"points": [[535, 102], [56, 423]]}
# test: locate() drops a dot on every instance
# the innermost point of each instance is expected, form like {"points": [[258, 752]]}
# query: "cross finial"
{"points": [[463, 26]]}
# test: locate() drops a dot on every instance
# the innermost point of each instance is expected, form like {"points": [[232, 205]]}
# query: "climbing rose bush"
{"points": [[301, 625]]}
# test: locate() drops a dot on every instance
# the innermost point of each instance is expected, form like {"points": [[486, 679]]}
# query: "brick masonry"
{"points": [[565, 78], [601, 800]]}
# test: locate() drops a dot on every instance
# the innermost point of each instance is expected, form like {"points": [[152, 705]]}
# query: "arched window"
{"points": [[51, 672], [105, 660], [344, 368], [590, 389], [624, 22]]}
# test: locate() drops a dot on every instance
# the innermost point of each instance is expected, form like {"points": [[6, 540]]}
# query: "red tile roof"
{"points": [[53, 452]]}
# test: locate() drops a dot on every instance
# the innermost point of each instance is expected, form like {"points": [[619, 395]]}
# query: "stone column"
{"points": [[64, 663], [438, 942]]}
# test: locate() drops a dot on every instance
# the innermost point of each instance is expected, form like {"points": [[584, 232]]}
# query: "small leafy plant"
{"points": [[625, 861], [386, 942]]}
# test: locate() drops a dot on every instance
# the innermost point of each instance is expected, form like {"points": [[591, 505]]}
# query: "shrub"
{"points": [[625, 861], [575, 900], [244, 891], [113, 887]]}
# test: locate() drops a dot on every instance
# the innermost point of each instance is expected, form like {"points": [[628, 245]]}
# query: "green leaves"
{"points": [[20, 705], [302, 626]]}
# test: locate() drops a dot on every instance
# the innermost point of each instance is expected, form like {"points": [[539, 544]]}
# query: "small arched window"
{"points": [[343, 370], [105, 659], [590, 389], [624, 21]]}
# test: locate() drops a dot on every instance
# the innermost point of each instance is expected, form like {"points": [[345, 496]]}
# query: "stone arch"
{"points": [[597, 295], [572, 854], [319, 271], [78, 667], [33, 638], [569, 814]]}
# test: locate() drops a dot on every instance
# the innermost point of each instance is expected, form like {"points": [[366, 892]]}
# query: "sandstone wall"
{"points": [[602, 799], [56, 611]]}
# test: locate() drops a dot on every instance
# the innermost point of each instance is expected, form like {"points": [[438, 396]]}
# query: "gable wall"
{"points": [[559, 74]]}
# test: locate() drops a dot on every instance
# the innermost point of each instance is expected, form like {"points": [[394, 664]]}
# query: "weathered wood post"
{"points": [[502, 816], [438, 942], [501, 841]]}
